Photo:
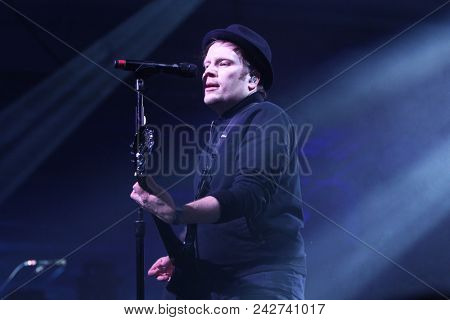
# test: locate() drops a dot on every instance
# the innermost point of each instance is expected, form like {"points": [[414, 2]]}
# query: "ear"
{"points": [[253, 82]]}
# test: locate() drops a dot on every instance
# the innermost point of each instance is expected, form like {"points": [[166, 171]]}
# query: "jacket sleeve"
{"points": [[262, 156]]}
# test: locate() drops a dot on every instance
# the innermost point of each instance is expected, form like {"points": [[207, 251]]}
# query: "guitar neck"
{"points": [[172, 243]]}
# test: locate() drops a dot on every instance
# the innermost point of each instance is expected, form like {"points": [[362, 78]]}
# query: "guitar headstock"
{"points": [[142, 147]]}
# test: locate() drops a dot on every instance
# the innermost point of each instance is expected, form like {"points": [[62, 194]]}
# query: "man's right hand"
{"points": [[162, 269]]}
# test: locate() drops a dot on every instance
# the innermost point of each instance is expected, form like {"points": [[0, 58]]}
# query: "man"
{"points": [[248, 240]]}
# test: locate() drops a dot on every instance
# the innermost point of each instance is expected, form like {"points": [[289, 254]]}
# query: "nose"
{"points": [[210, 71]]}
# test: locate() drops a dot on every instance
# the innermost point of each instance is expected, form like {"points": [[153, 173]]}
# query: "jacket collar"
{"points": [[254, 97]]}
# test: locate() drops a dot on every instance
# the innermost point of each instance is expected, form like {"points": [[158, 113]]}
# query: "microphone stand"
{"points": [[183, 69], [169, 241], [139, 223]]}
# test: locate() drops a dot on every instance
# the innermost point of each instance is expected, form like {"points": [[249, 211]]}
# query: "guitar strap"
{"points": [[186, 281], [205, 181], [203, 187]]}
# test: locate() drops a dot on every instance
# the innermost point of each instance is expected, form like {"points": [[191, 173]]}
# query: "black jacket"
{"points": [[254, 174]]}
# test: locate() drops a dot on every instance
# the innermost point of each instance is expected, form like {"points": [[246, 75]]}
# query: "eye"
{"points": [[224, 63]]}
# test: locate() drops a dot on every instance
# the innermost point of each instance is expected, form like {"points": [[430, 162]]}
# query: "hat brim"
{"points": [[253, 54]]}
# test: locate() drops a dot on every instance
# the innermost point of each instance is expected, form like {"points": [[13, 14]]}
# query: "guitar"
{"points": [[187, 281]]}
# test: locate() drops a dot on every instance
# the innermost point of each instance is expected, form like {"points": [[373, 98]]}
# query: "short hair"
{"points": [[252, 70]]}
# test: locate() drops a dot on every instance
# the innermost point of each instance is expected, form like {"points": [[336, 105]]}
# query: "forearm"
{"points": [[204, 210]]}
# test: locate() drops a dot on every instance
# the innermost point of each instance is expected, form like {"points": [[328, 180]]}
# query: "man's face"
{"points": [[225, 81]]}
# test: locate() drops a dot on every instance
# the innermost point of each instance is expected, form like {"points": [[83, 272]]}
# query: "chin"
{"points": [[211, 100]]}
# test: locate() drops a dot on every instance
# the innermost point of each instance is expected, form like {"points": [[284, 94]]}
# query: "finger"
{"points": [[152, 198], [165, 261], [137, 188], [157, 262], [136, 198], [153, 272], [163, 277], [135, 193], [161, 261], [156, 267], [156, 271]]}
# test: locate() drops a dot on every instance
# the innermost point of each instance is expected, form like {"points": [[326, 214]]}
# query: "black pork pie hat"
{"points": [[255, 48]]}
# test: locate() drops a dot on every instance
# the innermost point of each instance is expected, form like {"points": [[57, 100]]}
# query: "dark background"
{"points": [[371, 80]]}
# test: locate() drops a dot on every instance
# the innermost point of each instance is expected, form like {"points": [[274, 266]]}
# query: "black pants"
{"points": [[267, 285]]}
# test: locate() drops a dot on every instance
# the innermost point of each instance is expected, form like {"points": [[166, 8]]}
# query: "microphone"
{"points": [[183, 69]]}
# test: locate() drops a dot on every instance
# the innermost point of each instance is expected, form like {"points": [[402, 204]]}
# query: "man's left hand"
{"points": [[159, 202]]}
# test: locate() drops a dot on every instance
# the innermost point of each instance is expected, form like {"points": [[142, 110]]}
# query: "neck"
{"points": [[254, 97], [222, 107]]}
